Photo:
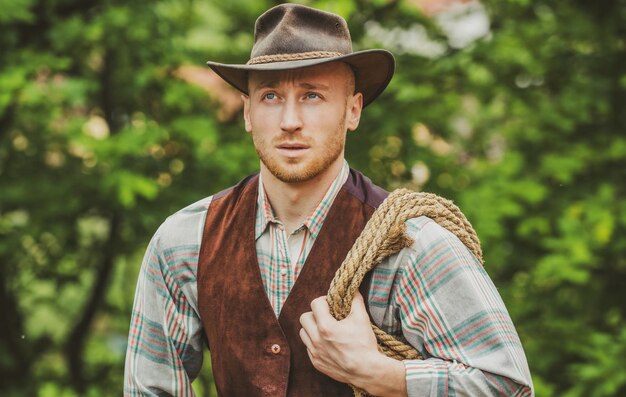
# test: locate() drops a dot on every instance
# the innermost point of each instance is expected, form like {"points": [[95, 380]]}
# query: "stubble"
{"points": [[297, 170]]}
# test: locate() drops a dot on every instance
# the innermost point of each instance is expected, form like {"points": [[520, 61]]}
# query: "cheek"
{"points": [[262, 121], [326, 118]]}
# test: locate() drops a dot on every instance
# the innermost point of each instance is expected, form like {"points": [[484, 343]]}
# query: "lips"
{"points": [[293, 146], [292, 149]]}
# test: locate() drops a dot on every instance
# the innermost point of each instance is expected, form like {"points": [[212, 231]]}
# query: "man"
{"points": [[245, 270]]}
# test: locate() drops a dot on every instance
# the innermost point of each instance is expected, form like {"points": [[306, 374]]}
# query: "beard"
{"points": [[300, 170]]}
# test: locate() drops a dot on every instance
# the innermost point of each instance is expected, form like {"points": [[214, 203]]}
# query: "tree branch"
{"points": [[74, 347], [10, 335], [75, 344]]}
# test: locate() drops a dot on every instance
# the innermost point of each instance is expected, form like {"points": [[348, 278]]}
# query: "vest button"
{"points": [[275, 348]]}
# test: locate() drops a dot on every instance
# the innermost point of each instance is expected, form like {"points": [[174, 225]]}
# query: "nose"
{"points": [[291, 120]]}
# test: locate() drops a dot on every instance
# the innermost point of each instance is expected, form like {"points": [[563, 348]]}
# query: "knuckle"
{"points": [[318, 366], [303, 317], [320, 300], [314, 303], [324, 331], [350, 365]]}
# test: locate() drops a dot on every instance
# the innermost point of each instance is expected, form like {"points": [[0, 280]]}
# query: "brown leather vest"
{"points": [[253, 353]]}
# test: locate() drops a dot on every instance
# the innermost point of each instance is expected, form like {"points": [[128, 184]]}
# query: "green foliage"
{"points": [[101, 137]]}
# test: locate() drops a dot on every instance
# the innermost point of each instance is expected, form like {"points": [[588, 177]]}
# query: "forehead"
{"points": [[326, 74]]}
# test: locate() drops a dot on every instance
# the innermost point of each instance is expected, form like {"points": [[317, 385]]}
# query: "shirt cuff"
{"points": [[426, 377]]}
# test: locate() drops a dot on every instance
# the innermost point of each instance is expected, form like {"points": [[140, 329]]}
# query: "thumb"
{"points": [[358, 307]]}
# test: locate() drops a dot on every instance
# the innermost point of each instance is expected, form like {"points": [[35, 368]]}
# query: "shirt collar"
{"points": [[314, 222], [264, 213]]}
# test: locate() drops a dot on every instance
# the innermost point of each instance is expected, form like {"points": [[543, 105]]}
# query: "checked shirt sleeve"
{"points": [[165, 342], [450, 310]]}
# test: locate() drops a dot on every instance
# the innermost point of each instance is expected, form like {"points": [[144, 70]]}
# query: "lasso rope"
{"points": [[383, 236]]}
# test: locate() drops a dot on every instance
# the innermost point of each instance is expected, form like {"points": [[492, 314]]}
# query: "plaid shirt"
{"points": [[281, 257], [434, 294]]}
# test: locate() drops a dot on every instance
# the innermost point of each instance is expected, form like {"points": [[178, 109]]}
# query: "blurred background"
{"points": [[109, 122]]}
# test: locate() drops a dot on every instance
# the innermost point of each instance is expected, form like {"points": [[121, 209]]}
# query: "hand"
{"points": [[347, 350], [338, 348]]}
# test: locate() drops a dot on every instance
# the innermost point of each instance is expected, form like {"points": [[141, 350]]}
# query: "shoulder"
{"points": [[362, 188], [183, 228], [438, 264], [424, 229], [434, 243]]}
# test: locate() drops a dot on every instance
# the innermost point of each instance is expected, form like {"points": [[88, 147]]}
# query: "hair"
{"points": [[351, 81]]}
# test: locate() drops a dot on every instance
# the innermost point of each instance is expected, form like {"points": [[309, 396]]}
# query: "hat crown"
{"points": [[293, 36], [297, 29]]}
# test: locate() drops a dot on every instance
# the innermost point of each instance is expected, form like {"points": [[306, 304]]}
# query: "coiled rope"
{"points": [[384, 235]]}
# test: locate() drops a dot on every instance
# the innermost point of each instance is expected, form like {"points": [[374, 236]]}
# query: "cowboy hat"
{"points": [[291, 36]]}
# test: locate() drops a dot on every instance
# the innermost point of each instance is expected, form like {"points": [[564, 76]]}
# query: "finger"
{"points": [[358, 311], [358, 297], [309, 325], [357, 302], [321, 311], [358, 308], [306, 339]]}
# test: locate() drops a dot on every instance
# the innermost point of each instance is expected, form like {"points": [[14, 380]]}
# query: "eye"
{"points": [[269, 96], [312, 95]]}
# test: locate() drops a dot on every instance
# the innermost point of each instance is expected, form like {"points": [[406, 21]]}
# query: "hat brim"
{"points": [[373, 68]]}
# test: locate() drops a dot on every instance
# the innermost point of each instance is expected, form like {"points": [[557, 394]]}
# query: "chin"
{"points": [[298, 171], [294, 176]]}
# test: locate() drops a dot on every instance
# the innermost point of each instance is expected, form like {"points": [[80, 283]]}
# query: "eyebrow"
{"points": [[311, 86], [275, 83], [267, 84]]}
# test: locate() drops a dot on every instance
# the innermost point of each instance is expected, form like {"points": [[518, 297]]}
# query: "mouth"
{"points": [[292, 149], [293, 146]]}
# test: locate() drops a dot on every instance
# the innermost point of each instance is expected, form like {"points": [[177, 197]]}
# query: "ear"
{"points": [[355, 106], [246, 112]]}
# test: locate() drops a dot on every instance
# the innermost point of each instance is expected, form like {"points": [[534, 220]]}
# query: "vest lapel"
{"points": [[343, 224]]}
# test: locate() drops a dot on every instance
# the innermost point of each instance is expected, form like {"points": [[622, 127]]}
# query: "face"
{"points": [[298, 119]]}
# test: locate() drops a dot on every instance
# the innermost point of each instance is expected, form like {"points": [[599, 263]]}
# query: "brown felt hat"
{"points": [[291, 36]]}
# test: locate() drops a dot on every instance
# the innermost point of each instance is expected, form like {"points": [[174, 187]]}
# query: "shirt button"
{"points": [[283, 273], [275, 348]]}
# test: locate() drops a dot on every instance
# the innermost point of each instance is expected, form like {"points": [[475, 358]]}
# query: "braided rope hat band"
{"points": [[292, 57], [292, 36]]}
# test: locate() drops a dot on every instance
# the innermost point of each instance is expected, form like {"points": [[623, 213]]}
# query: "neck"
{"points": [[293, 202]]}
